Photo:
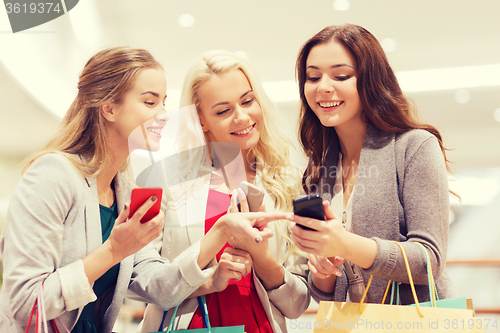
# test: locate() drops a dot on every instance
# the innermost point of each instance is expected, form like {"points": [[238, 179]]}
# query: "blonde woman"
{"points": [[68, 227], [233, 109]]}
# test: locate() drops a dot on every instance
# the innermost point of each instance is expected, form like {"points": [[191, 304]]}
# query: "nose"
{"points": [[325, 85], [240, 115], [162, 115]]}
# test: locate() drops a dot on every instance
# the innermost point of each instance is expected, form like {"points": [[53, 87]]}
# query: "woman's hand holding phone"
{"points": [[130, 234], [328, 237]]}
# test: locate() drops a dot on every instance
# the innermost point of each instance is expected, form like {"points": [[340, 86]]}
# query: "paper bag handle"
{"points": [[409, 278], [432, 285]]}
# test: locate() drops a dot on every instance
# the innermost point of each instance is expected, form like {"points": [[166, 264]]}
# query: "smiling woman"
{"points": [[229, 111], [69, 233], [354, 117], [237, 119]]}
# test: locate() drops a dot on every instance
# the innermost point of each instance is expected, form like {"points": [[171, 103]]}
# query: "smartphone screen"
{"points": [[139, 196], [309, 206]]}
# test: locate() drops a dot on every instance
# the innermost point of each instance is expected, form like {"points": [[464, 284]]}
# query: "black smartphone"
{"points": [[309, 206]]}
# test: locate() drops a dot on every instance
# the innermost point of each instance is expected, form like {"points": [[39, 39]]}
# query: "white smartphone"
{"points": [[254, 195]]}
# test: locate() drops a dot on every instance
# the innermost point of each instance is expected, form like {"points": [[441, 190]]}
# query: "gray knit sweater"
{"points": [[401, 194]]}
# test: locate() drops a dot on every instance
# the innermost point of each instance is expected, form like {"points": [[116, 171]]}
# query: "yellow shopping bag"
{"points": [[363, 317]]}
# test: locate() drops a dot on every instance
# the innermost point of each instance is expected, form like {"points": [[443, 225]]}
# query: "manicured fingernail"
{"points": [[289, 217], [153, 198], [258, 239], [339, 274], [339, 258]]}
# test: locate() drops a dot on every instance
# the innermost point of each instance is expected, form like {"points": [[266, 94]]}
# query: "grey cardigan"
{"points": [[401, 193], [52, 223]]}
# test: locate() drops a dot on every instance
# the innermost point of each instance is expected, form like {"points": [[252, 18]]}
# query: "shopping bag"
{"points": [[362, 317], [452, 303], [41, 318], [209, 329]]}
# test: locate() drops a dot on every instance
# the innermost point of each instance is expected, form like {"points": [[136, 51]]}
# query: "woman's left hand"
{"points": [[327, 238]]}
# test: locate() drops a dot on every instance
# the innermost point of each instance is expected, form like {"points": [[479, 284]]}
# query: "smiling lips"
{"points": [[156, 131], [244, 131], [329, 104]]}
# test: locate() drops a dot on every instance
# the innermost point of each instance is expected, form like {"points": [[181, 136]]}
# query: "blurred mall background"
{"points": [[446, 54]]}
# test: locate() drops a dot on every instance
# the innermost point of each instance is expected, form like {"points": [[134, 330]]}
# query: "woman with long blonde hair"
{"points": [[236, 120], [68, 235]]}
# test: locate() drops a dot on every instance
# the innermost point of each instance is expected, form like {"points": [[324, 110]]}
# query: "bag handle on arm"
{"points": [[41, 317], [409, 278]]}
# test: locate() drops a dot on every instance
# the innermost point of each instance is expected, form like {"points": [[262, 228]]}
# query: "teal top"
{"points": [[86, 322]]}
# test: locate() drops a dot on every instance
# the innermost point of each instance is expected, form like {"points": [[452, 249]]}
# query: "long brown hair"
{"points": [[106, 77], [384, 104]]}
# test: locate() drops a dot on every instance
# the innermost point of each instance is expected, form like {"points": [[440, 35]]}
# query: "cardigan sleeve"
{"points": [[32, 241], [164, 283], [425, 200], [339, 292]]}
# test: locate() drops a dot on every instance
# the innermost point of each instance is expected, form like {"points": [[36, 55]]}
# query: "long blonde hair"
{"points": [[278, 176], [106, 77]]}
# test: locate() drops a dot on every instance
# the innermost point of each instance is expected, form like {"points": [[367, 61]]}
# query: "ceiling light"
{"points": [[186, 20], [462, 96], [449, 78], [496, 115], [388, 44], [341, 5]]}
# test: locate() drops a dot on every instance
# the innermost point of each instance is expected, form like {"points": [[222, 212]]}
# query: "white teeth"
{"points": [[245, 131], [329, 104], [155, 130]]}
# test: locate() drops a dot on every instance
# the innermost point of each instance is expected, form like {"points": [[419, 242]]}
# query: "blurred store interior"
{"points": [[446, 55]]}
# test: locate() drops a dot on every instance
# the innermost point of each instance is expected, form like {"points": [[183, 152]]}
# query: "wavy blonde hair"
{"points": [[278, 176], [106, 77]]}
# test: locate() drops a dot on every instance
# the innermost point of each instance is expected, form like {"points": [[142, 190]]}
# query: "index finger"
{"points": [[144, 208], [260, 219]]}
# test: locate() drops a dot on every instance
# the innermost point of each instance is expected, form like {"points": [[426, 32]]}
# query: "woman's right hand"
{"points": [[253, 225], [242, 224], [239, 226], [129, 235], [234, 264]]}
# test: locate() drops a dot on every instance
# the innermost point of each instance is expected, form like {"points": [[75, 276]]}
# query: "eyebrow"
{"points": [[224, 103], [334, 66], [152, 93]]}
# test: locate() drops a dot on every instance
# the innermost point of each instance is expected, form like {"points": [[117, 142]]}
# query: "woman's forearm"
{"points": [[270, 273], [212, 243], [99, 262], [360, 250]]}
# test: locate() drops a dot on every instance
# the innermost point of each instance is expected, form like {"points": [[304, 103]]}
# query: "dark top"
{"points": [[88, 322]]}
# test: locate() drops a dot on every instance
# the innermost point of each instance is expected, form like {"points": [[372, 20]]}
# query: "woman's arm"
{"points": [[426, 205], [33, 243], [425, 199]]}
